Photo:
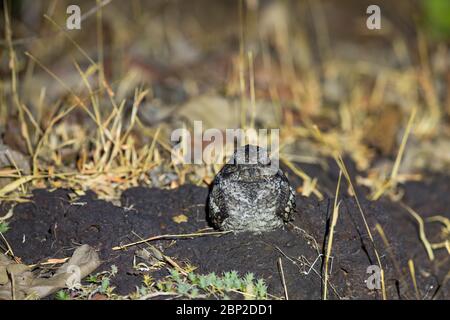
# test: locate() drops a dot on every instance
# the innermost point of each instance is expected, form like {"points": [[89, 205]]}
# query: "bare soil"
{"points": [[51, 226]]}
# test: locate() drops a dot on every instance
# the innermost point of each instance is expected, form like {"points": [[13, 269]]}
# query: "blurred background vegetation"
{"points": [[94, 108]]}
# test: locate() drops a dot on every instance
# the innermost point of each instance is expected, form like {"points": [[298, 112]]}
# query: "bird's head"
{"points": [[249, 164]]}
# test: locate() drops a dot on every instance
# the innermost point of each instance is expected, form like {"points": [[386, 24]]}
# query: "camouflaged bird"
{"points": [[249, 194]]}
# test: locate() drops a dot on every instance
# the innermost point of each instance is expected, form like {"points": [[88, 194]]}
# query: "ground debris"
{"points": [[59, 225], [19, 281]]}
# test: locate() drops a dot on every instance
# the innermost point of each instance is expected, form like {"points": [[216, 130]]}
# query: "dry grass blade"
{"points": [[422, 234], [283, 280], [443, 220], [14, 82], [334, 218], [83, 52], [309, 185], [252, 89], [413, 277], [15, 184], [8, 215], [391, 183], [44, 136], [241, 62], [49, 262], [19, 173], [401, 150], [10, 250], [77, 98], [388, 248], [171, 236], [347, 176], [340, 162], [442, 245]]}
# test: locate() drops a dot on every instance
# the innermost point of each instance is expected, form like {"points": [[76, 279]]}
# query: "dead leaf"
{"points": [[180, 218], [27, 283]]}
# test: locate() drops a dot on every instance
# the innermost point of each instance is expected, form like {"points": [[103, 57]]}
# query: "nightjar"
{"points": [[249, 194]]}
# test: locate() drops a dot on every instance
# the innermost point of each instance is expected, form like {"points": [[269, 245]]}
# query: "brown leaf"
{"points": [[180, 218]]}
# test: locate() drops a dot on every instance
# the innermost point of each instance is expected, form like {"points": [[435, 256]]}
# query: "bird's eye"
{"points": [[228, 168]]}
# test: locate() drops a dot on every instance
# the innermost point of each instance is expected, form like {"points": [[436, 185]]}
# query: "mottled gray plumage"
{"points": [[248, 194]]}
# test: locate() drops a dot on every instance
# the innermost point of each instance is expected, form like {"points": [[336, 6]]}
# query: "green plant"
{"points": [[4, 227], [192, 285], [62, 295], [96, 283], [437, 18]]}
